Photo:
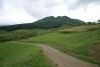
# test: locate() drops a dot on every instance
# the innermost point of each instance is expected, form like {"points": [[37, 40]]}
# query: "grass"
{"points": [[31, 55], [77, 44], [70, 40]]}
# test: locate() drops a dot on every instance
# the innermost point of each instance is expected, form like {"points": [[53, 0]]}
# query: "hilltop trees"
{"points": [[98, 21], [89, 23], [94, 23]]}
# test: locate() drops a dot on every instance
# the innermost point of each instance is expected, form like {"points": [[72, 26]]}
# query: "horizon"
{"points": [[40, 19]]}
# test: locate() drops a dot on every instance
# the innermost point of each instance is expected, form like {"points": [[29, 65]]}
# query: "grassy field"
{"points": [[82, 44], [22, 55]]}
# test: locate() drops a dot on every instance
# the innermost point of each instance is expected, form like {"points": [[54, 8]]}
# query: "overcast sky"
{"points": [[27, 11]]}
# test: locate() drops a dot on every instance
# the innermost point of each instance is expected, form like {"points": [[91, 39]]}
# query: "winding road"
{"points": [[61, 59]]}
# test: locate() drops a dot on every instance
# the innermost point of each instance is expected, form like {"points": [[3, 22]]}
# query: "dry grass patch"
{"points": [[82, 28]]}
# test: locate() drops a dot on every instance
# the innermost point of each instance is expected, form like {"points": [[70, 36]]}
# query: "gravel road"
{"points": [[61, 59]]}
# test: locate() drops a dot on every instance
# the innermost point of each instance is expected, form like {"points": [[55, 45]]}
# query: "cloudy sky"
{"points": [[27, 11]]}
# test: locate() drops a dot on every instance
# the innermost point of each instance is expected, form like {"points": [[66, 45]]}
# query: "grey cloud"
{"points": [[21, 3], [2, 8], [51, 3], [83, 3], [39, 13], [35, 8], [32, 7], [1, 4], [38, 9]]}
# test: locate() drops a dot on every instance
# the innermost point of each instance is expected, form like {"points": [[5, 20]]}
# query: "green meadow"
{"points": [[74, 40], [22, 55], [81, 44]]}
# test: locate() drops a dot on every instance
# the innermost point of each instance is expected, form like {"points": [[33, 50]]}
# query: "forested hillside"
{"points": [[46, 23]]}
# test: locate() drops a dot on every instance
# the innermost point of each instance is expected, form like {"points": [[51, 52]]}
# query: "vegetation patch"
{"points": [[83, 28], [22, 34], [82, 42], [22, 55], [94, 52]]}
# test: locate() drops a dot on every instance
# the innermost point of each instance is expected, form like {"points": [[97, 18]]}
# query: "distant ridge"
{"points": [[45, 23]]}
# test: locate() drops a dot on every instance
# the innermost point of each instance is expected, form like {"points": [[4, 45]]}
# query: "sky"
{"points": [[28, 11]]}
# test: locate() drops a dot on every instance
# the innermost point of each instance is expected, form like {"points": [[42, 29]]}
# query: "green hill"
{"points": [[46, 23]]}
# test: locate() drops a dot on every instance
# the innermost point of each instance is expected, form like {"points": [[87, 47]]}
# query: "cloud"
{"points": [[35, 8], [1, 7], [27, 11], [83, 4], [1, 4], [43, 8], [14, 13]]}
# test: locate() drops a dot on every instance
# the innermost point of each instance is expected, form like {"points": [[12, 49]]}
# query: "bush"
{"points": [[2, 39], [92, 29]]}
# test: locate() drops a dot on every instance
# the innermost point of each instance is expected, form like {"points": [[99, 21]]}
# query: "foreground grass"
{"points": [[82, 45], [22, 55]]}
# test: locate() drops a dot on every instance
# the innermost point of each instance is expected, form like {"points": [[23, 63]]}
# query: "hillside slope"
{"points": [[83, 44]]}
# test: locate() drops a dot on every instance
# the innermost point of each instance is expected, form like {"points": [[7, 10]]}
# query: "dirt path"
{"points": [[61, 59]]}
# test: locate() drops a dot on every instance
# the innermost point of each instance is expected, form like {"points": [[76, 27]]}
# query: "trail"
{"points": [[61, 59]]}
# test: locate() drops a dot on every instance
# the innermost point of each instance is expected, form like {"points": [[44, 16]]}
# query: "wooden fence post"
{"points": [[30, 55], [20, 62]]}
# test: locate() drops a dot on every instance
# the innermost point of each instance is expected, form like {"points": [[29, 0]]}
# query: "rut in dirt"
{"points": [[61, 59]]}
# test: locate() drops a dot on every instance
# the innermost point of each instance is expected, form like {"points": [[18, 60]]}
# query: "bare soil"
{"points": [[61, 59]]}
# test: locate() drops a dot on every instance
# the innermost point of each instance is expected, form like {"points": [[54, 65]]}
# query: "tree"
{"points": [[94, 23], [89, 23], [84, 24], [2, 39], [98, 21]]}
